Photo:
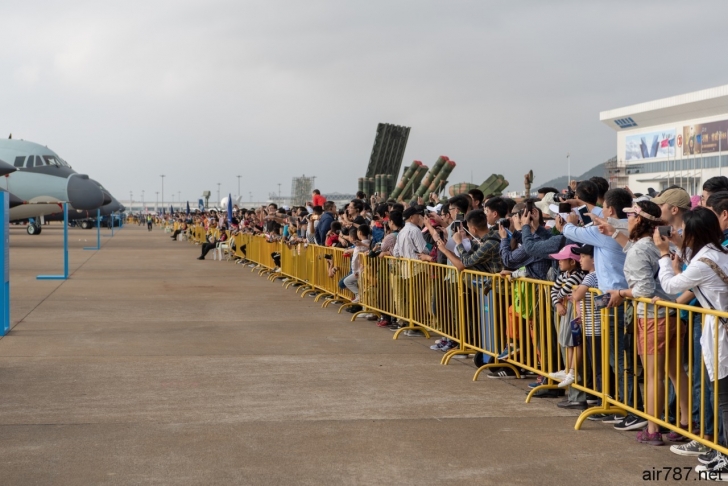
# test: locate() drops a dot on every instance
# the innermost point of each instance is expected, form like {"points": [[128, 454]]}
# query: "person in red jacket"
{"points": [[318, 199]]}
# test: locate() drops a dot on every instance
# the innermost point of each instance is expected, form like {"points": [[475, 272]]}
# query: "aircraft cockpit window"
{"points": [[19, 161], [30, 161], [51, 160]]}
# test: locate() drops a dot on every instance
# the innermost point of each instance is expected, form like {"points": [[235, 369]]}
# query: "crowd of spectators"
{"points": [[665, 247]]}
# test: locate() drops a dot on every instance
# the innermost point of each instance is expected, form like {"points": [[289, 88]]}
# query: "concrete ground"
{"points": [[150, 367]]}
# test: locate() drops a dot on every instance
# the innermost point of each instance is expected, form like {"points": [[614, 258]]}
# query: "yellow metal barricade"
{"points": [[652, 348], [630, 362]]}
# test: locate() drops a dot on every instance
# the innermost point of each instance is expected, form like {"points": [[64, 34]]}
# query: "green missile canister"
{"points": [[441, 178], [408, 173], [408, 190], [460, 188], [431, 175]]}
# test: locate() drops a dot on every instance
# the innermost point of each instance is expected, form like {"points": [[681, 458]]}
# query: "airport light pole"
{"points": [[142, 199], [156, 205], [568, 164], [238, 184], [162, 176]]}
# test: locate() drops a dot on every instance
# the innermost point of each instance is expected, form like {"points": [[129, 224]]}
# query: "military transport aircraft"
{"points": [[42, 181]]}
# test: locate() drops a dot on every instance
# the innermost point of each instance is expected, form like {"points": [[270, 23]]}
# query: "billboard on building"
{"points": [[650, 145], [704, 138]]}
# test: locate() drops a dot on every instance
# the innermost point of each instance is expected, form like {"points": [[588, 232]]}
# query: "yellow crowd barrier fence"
{"points": [[641, 357]]}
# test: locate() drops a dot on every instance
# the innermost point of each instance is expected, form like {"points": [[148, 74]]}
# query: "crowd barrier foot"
{"points": [[274, 275], [329, 301], [550, 386], [256, 267], [294, 283], [411, 328], [452, 353], [594, 411], [322, 295], [499, 364], [303, 288], [348, 304], [357, 314], [308, 291], [263, 271]]}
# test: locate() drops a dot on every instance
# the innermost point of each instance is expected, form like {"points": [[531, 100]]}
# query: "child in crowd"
{"points": [[570, 277], [591, 318], [361, 245]]}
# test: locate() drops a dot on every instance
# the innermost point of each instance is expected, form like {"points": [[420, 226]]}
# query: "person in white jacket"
{"points": [[706, 274]]}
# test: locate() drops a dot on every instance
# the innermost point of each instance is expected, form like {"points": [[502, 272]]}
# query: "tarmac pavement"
{"points": [[150, 367]]}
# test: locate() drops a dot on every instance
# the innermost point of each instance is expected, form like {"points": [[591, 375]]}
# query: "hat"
{"points": [[543, 204], [674, 197], [434, 209], [566, 253], [640, 212], [411, 211], [587, 250]]}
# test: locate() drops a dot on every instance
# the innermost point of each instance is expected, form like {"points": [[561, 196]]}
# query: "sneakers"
{"points": [[632, 422], [567, 381], [571, 405], [673, 436], [384, 323], [396, 326], [716, 470], [692, 448], [449, 344], [558, 375], [644, 437], [598, 417], [707, 457], [539, 381], [613, 419], [413, 333], [504, 373], [509, 352]]}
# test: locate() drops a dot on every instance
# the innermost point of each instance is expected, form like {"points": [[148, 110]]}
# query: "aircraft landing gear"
{"points": [[33, 229], [85, 225]]}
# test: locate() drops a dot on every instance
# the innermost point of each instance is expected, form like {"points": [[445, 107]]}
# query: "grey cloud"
{"points": [[203, 91]]}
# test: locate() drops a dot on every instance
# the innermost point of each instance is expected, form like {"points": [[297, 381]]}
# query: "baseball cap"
{"points": [[566, 253], [674, 197], [587, 250], [411, 211]]}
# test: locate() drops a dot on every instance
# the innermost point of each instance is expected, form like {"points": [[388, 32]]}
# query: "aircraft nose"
{"points": [[14, 200], [83, 193], [6, 168]]}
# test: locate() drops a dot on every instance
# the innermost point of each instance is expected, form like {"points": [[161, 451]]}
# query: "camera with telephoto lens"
{"points": [[563, 197]]}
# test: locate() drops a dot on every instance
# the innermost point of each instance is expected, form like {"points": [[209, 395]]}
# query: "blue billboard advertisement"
{"points": [[650, 145]]}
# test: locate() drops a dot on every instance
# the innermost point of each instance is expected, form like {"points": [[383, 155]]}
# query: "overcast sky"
{"points": [[205, 90]]}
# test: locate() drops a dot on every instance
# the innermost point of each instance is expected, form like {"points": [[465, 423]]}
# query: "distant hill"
{"points": [[561, 182]]}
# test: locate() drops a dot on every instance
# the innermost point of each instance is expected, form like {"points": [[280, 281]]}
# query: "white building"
{"points": [[676, 140]]}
